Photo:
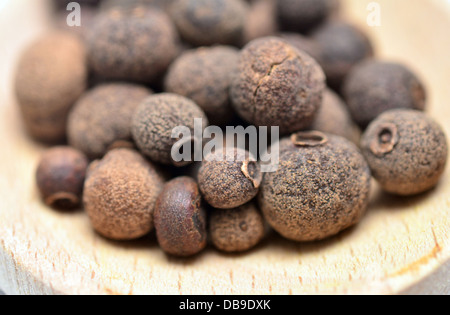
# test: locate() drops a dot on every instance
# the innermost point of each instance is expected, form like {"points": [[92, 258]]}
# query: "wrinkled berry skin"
{"points": [[406, 150], [60, 177], [277, 85], [180, 220]]}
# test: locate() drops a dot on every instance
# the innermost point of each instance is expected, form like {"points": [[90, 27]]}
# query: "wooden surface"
{"points": [[401, 246]]}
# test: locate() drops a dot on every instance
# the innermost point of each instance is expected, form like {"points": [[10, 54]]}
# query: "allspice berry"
{"points": [[154, 121], [135, 44], [206, 22], [406, 151], [373, 87], [277, 85], [60, 177], [101, 118], [302, 15], [51, 75], [120, 194], [236, 230], [204, 75], [229, 178], [180, 220], [342, 46], [321, 187], [334, 117]]}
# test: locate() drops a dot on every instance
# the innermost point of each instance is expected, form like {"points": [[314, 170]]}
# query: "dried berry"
{"points": [[60, 177], [374, 87], [261, 20], [301, 15], [120, 194], [236, 230], [102, 117], [51, 75], [206, 22], [334, 117], [406, 150], [342, 46], [321, 187], [229, 178], [204, 75], [180, 220], [277, 85], [136, 44], [155, 119]]}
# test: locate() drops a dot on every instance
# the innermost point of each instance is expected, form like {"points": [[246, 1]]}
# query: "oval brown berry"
{"points": [[180, 220]]}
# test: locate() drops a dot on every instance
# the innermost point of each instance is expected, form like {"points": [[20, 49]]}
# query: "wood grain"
{"points": [[401, 246]]}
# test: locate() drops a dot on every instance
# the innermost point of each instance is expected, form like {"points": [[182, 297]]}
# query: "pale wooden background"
{"points": [[402, 245]]}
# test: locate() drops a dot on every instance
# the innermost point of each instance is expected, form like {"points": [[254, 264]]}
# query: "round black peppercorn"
{"points": [[120, 193], [236, 230], [204, 75], [374, 87], [102, 117], [51, 75], [406, 151], [180, 220], [155, 119], [277, 85], [321, 187], [342, 46], [60, 177], [229, 178], [334, 117], [206, 22], [301, 15], [136, 44]]}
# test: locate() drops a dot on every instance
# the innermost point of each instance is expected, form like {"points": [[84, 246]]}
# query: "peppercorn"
{"points": [[120, 194], [102, 117], [236, 230], [180, 220], [334, 117], [374, 87], [51, 75], [321, 187], [277, 85], [342, 46], [261, 20], [229, 178], [205, 22], [60, 177], [154, 121], [406, 151], [204, 75], [301, 15], [137, 44]]}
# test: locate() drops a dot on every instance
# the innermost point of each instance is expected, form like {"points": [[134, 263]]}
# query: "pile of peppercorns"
{"points": [[115, 88]]}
